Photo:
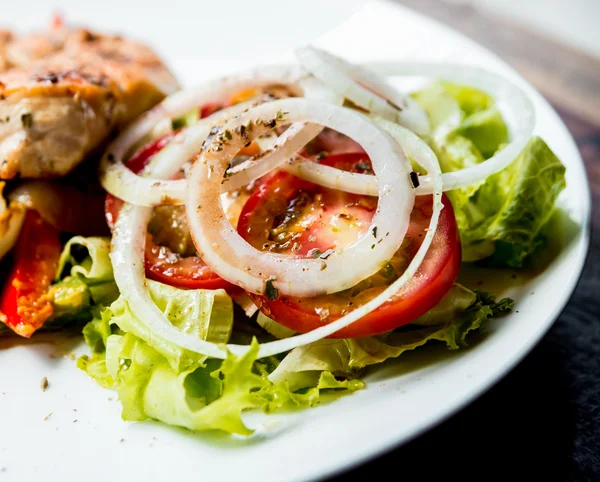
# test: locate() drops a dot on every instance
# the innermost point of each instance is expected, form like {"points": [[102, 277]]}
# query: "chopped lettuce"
{"points": [[207, 314], [345, 357], [155, 379], [88, 258], [71, 299], [502, 218], [456, 301], [84, 281], [207, 396], [158, 380]]}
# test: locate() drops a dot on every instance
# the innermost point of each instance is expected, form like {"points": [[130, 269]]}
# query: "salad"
{"points": [[276, 232]]}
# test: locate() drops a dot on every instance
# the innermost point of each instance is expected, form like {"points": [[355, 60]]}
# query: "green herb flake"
{"points": [[178, 123]]}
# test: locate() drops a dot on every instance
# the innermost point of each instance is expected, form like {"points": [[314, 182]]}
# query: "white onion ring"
{"points": [[514, 104], [378, 98], [128, 262], [117, 179], [232, 258], [274, 153], [512, 101]]}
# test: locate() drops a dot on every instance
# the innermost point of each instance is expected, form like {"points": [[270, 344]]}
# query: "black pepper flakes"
{"points": [[414, 179]]}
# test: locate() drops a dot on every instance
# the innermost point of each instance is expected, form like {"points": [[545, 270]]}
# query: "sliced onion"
{"points": [[364, 88], [332, 177], [514, 104], [273, 154], [128, 186], [127, 256], [232, 258]]}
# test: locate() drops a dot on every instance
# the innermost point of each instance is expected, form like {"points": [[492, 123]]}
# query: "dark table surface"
{"points": [[542, 421]]}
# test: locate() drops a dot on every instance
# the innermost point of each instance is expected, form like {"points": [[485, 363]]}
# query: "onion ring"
{"points": [[378, 97], [232, 258], [514, 103], [128, 262], [130, 187]]}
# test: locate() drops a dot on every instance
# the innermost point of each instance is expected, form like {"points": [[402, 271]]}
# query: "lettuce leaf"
{"points": [[88, 258], [345, 357], [84, 280], [207, 314], [502, 218], [158, 380], [455, 302], [205, 397], [508, 212]]}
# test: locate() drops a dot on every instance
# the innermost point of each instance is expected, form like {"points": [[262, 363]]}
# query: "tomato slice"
{"points": [[161, 263], [292, 216], [25, 304]]}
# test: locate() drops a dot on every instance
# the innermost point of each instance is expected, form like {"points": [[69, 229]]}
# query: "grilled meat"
{"points": [[62, 92]]}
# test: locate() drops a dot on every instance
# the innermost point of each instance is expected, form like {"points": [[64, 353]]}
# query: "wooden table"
{"points": [[542, 421]]}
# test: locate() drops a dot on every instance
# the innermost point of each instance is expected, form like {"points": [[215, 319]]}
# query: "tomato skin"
{"points": [[209, 109], [25, 304], [160, 265], [419, 295], [432, 281], [140, 158]]}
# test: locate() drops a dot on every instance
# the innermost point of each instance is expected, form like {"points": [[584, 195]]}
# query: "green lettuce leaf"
{"points": [[509, 210], [84, 280], [157, 380], [456, 301], [71, 299], [88, 258], [211, 395], [207, 396], [470, 99], [323, 386], [345, 357], [207, 314], [501, 218], [96, 334]]}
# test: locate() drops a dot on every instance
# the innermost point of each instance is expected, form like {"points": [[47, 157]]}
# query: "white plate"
{"points": [[85, 439]]}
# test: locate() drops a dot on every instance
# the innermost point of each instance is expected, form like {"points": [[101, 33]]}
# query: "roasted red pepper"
{"points": [[25, 303]]}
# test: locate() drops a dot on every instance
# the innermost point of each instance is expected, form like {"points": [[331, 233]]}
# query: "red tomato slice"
{"points": [[161, 263], [25, 304], [288, 215]]}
